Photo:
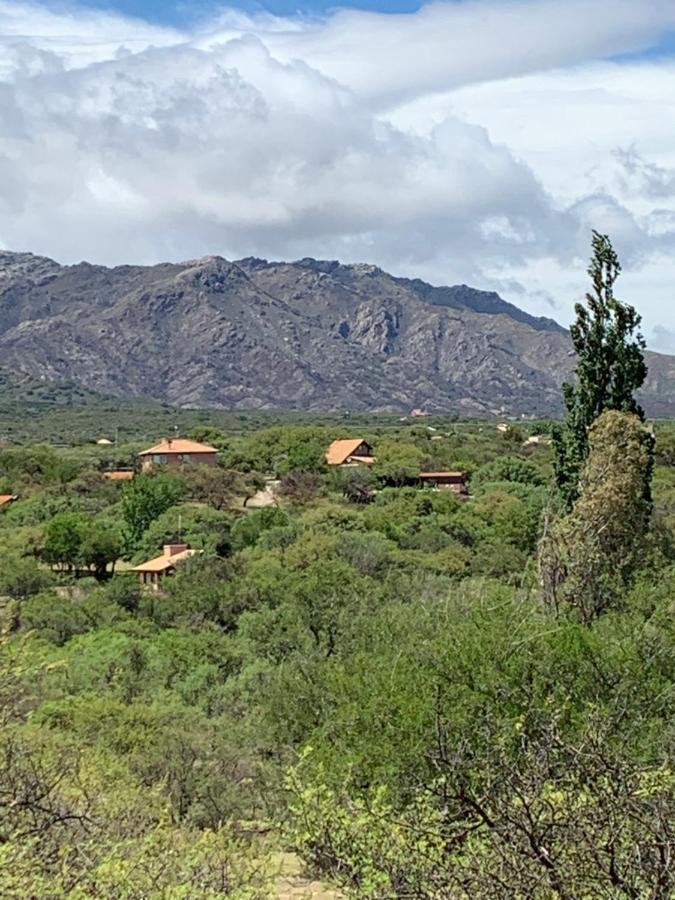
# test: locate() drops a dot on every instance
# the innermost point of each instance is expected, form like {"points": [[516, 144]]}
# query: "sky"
{"points": [[459, 141]]}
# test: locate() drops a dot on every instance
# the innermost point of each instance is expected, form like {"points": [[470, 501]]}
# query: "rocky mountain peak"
{"points": [[314, 334]]}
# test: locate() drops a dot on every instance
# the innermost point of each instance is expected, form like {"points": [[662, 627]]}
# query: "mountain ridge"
{"points": [[311, 334]]}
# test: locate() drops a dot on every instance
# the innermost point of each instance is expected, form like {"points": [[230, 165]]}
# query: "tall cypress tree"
{"points": [[610, 366]]}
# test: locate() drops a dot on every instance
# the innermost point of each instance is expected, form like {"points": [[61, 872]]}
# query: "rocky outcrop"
{"points": [[307, 335]]}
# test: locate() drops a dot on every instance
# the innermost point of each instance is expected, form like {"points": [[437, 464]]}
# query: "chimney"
{"points": [[173, 549]]}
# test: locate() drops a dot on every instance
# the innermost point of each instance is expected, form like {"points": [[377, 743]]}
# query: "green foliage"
{"points": [[590, 555], [610, 366], [72, 541], [507, 468], [219, 488], [63, 539], [398, 463], [247, 531], [403, 639], [65, 833], [202, 527], [22, 578], [144, 499]]}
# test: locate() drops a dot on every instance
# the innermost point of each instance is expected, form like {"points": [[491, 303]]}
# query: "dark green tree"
{"points": [[145, 499], [100, 546], [610, 366], [63, 539]]}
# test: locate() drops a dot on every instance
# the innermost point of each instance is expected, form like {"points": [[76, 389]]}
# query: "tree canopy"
{"points": [[610, 365]]}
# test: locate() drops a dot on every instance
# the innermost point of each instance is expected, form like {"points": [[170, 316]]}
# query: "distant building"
{"points": [[152, 572], [119, 475], [352, 452], [175, 452], [445, 481], [418, 413], [536, 439], [104, 442], [503, 427], [6, 499]]}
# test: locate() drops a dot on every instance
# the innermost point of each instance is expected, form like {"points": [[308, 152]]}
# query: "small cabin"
{"points": [[175, 452], [351, 452], [152, 572], [7, 499], [445, 481]]}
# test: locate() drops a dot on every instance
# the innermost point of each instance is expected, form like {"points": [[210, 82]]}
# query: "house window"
{"points": [[159, 459], [185, 457]]}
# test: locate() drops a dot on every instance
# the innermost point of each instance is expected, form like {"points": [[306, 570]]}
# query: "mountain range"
{"points": [[311, 334]]}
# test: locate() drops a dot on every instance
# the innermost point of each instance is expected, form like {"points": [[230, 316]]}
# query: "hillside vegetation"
{"points": [[406, 692]]}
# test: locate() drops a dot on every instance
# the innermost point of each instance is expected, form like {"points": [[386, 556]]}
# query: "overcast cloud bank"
{"points": [[475, 142]]}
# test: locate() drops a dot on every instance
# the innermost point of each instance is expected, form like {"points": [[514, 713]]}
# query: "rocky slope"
{"points": [[304, 335]]}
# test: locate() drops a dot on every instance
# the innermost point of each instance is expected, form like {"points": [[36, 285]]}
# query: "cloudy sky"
{"points": [[473, 141]]}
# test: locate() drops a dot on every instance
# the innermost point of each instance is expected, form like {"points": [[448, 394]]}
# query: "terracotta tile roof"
{"points": [[340, 451], [7, 498], [121, 475], [178, 445], [164, 562]]}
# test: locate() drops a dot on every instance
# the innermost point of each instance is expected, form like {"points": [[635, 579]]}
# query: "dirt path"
{"points": [[292, 883]]}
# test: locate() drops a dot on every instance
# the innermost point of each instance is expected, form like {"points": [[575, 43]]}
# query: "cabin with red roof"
{"points": [[352, 452], [6, 499], [152, 572], [174, 452]]}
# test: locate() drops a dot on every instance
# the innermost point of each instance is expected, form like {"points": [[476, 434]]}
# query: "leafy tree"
{"points": [[144, 499], [201, 527], [304, 457], [398, 463], [507, 468], [71, 540], [588, 557], [610, 366], [21, 578], [63, 539], [207, 434], [299, 486], [220, 488], [100, 544], [357, 484], [124, 592], [248, 529]]}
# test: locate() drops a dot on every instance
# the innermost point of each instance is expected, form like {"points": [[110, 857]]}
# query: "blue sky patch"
{"points": [[177, 13]]}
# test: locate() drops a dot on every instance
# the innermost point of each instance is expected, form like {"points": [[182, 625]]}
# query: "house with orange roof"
{"points": [[152, 572], [6, 499], [176, 452], [350, 452]]}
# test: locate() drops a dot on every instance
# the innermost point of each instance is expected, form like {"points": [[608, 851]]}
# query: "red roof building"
{"points": [[176, 452], [352, 452], [151, 572]]}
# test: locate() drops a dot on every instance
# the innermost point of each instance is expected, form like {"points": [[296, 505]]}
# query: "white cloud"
{"points": [[449, 144], [76, 35], [386, 59]]}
